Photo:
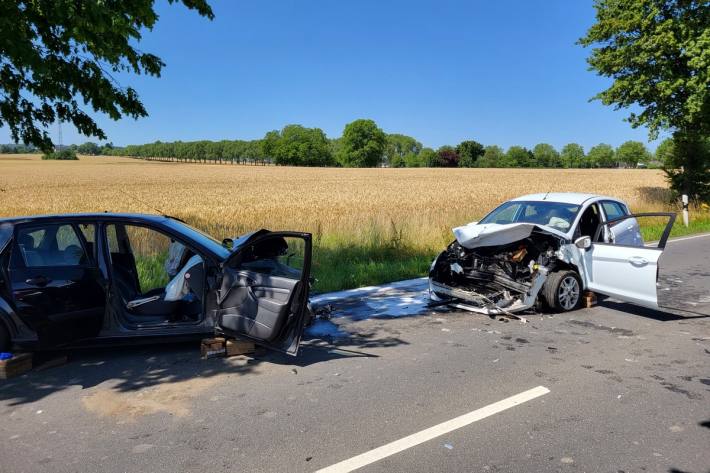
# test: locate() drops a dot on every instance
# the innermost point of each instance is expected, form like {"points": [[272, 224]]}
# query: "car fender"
{"points": [[571, 255]]}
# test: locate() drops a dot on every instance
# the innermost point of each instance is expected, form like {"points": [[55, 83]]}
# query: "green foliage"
{"points": [[602, 156], [545, 155], [63, 155], [658, 54], [517, 156], [363, 144], [665, 152], [492, 157], [687, 166], [53, 52], [17, 149], [631, 153], [89, 148], [429, 158], [572, 155], [469, 152], [398, 147], [296, 145]]}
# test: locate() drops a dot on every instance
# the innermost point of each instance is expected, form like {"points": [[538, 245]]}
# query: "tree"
{"points": [[656, 52], [447, 157], [412, 160], [546, 156], [602, 156], [492, 157], [517, 156], [429, 158], [398, 146], [89, 148], [469, 152], [665, 152], [55, 54], [631, 153], [296, 145], [685, 166], [572, 155], [362, 144]]}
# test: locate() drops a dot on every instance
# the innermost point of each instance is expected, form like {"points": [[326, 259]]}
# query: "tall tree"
{"points": [[469, 152], [631, 153], [602, 156], [448, 157], [658, 54], [492, 157], [362, 144], [546, 156], [429, 158], [517, 156], [572, 155], [398, 146], [55, 54], [297, 145]]}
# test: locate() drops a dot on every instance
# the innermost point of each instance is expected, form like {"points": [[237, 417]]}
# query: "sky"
{"points": [[502, 72]]}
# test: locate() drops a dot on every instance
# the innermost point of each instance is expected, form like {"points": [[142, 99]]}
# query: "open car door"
{"points": [[624, 267], [264, 290]]}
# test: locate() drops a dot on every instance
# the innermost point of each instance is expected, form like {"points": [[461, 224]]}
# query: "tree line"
{"points": [[364, 144]]}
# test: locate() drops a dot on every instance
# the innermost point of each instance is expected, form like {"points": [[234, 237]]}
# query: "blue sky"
{"points": [[499, 72]]}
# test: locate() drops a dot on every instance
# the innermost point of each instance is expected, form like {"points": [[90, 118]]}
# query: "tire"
{"points": [[4, 338], [563, 291]]}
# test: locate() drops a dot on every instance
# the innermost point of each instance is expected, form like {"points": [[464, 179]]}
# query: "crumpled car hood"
{"points": [[476, 235]]}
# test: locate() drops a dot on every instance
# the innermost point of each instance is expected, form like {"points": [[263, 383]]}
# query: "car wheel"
{"points": [[4, 338], [563, 290]]}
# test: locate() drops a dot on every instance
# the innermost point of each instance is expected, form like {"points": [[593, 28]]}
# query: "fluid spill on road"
{"points": [[172, 398]]}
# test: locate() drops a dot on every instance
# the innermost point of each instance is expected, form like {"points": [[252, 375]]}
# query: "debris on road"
{"points": [[213, 348], [589, 299], [239, 347], [15, 365]]}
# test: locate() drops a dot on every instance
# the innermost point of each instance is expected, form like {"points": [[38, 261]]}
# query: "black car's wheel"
{"points": [[4, 338], [563, 290]]}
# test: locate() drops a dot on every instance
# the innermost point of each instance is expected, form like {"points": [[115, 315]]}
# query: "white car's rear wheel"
{"points": [[563, 290]]}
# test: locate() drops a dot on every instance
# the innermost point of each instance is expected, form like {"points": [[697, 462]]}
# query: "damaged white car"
{"points": [[545, 250]]}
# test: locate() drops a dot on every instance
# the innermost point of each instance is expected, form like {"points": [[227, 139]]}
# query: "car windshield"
{"points": [[557, 215]]}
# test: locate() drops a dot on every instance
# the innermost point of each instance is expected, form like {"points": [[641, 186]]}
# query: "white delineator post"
{"points": [[685, 209]]}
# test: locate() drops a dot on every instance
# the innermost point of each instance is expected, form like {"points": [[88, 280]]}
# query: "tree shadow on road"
{"points": [[132, 368]]}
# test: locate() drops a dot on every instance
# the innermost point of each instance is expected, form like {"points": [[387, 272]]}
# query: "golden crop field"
{"points": [[410, 209]]}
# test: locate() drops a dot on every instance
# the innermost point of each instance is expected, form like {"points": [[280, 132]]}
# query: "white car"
{"points": [[548, 249]]}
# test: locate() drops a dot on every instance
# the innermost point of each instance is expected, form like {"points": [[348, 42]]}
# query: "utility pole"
{"points": [[59, 132]]}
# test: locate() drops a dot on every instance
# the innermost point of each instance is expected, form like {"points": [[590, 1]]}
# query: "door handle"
{"points": [[638, 261], [39, 281]]}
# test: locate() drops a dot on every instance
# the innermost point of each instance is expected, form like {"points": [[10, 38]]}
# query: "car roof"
{"points": [[87, 216], [577, 198]]}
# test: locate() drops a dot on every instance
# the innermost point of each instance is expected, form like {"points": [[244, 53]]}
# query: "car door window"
{"points": [[51, 245], [613, 210], [141, 252], [276, 256], [88, 231]]}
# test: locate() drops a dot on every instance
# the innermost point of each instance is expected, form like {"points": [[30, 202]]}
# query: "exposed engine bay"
{"points": [[496, 279]]}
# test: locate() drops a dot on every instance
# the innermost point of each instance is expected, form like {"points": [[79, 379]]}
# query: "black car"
{"points": [[98, 278]]}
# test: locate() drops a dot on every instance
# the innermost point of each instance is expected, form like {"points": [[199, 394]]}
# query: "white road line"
{"points": [[672, 240], [432, 432]]}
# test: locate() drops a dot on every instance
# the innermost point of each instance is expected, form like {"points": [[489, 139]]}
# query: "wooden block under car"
{"points": [[212, 347], [590, 299], [239, 347], [15, 366]]}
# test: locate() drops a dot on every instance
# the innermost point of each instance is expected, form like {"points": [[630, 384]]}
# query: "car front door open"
{"points": [[628, 272], [264, 290]]}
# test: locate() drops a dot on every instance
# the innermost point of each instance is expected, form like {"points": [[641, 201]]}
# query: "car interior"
{"points": [[178, 301], [588, 223], [51, 245]]}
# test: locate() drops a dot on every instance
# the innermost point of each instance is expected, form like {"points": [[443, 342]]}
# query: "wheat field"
{"points": [[412, 209]]}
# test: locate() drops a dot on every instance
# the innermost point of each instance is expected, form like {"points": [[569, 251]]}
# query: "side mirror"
{"points": [[583, 243], [228, 243]]}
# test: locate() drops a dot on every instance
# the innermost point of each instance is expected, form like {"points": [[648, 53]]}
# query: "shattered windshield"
{"points": [[557, 215]]}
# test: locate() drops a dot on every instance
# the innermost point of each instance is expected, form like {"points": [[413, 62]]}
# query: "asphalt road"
{"points": [[629, 390]]}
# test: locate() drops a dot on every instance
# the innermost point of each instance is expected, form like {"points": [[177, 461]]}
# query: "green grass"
{"points": [[652, 231], [151, 271]]}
